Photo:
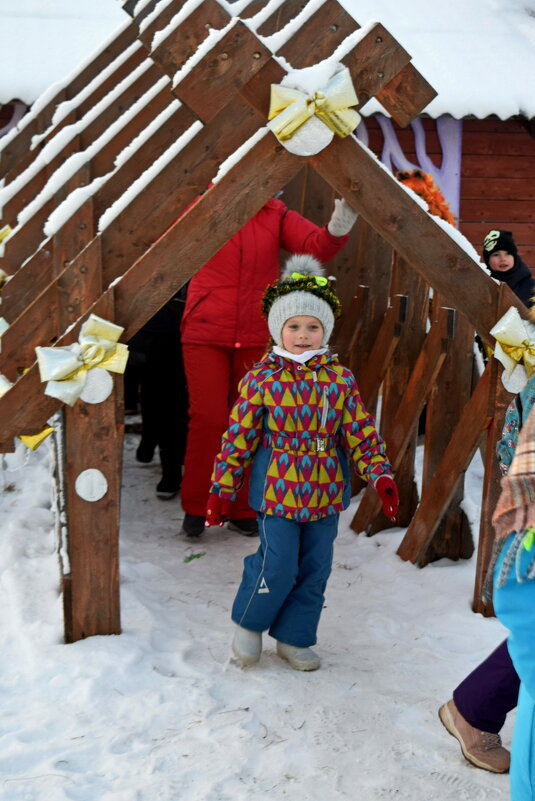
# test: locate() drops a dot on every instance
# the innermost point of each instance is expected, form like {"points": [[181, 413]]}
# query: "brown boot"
{"points": [[482, 748]]}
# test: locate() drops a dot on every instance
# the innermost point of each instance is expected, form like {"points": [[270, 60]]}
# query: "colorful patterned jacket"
{"points": [[299, 424], [517, 411]]}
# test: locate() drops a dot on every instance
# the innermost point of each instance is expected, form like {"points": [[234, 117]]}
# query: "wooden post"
{"points": [[453, 538], [407, 281], [423, 377]]}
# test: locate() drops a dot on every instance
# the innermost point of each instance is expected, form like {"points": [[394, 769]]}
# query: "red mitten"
{"points": [[217, 510], [388, 493]]}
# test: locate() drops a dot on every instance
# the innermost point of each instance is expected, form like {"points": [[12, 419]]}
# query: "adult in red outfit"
{"points": [[224, 334]]}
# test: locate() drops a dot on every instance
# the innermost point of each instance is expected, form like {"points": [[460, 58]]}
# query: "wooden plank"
{"points": [[222, 72], [414, 233], [488, 209], [284, 14], [165, 267], [86, 104], [373, 268], [406, 95], [475, 232], [498, 144], [484, 166], [455, 460], [323, 31], [87, 136], [173, 52], [498, 187], [133, 231], [453, 537], [27, 240], [92, 605], [346, 333], [422, 379], [383, 349], [20, 145], [407, 281]]}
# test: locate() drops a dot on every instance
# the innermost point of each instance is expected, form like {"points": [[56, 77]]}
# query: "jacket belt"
{"points": [[299, 442]]}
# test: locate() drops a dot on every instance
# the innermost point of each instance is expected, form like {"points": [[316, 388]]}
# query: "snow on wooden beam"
{"points": [[431, 246]]}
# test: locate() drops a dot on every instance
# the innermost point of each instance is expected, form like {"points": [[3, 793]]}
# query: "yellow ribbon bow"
{"points": [[319, 279], [65, 368], [4, 278], [4, 232], [515, 342], [290, 108]]}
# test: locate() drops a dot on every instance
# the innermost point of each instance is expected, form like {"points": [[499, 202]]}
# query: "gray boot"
{"points": [[299, 658], [247, 645]]}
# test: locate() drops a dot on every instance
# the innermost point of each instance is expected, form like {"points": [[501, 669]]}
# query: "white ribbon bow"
{"points": [[65, 368]]}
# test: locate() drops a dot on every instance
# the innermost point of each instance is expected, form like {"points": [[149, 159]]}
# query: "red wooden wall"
{"points": [[497, 176]]}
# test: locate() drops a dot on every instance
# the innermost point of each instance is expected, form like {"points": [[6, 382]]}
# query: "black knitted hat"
{"points": [[498, 240]]}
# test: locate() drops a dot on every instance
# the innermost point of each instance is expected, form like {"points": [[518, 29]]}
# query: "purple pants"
{"points": [[489, 692]]}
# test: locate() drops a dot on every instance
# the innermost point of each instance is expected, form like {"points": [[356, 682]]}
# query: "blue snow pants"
{"points": [[514, 604], [283, 583]]}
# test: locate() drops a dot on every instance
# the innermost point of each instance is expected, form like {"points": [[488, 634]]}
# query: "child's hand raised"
{"points": [[388, 493], [217, 510]]}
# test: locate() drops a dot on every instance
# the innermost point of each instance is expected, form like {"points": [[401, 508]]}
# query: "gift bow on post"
{"points": [[65, 368], [290, 108], [515, 342]]}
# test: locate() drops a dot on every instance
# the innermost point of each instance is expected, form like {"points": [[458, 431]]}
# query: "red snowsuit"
{"points": [[224, 333]]}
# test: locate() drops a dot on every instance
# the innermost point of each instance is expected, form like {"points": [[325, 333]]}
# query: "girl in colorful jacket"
{"points": [[299, 419]]}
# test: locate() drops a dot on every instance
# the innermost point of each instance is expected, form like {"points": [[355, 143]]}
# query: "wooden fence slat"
{"points": [[422, 379], [407, 282], [456, 458], [383, 348], [453, 537]]}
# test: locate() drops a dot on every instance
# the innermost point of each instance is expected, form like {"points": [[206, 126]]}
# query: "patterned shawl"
{"points": [[515, 511]]}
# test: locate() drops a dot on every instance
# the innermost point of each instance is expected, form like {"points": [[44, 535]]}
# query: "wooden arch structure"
{"points": [[142, 116]]}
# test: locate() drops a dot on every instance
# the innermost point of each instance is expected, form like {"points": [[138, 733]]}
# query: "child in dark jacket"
{"points": [[299, 418], [501, 257]]}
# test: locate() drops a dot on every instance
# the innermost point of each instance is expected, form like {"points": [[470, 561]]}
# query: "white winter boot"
{"points": [[299, 658], [247, 645]]}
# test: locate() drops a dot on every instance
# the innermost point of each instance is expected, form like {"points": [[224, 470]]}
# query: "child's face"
{"points": [[302, 333], [501, 261]]}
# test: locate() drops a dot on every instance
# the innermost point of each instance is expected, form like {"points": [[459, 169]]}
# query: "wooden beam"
{"points": [[422, 379], [416, 235], [325, 29], [457, 456]]}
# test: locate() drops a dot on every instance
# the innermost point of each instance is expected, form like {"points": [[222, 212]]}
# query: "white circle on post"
{"points": [[98, 386], [91, 485]]}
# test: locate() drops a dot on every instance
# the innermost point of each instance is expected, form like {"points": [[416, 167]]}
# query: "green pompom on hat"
{"points": [[302, 289]]}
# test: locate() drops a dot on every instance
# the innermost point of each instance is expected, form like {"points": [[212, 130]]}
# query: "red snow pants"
{"points": [[212, 375]]}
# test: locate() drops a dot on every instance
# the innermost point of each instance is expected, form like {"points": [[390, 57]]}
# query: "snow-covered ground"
{"points": [[162, 713]]}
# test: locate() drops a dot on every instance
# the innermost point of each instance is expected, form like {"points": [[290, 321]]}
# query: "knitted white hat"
{"points": [[310, 297]]}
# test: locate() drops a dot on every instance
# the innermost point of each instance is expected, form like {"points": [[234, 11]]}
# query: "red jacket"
{"points": [[223, 305]]}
